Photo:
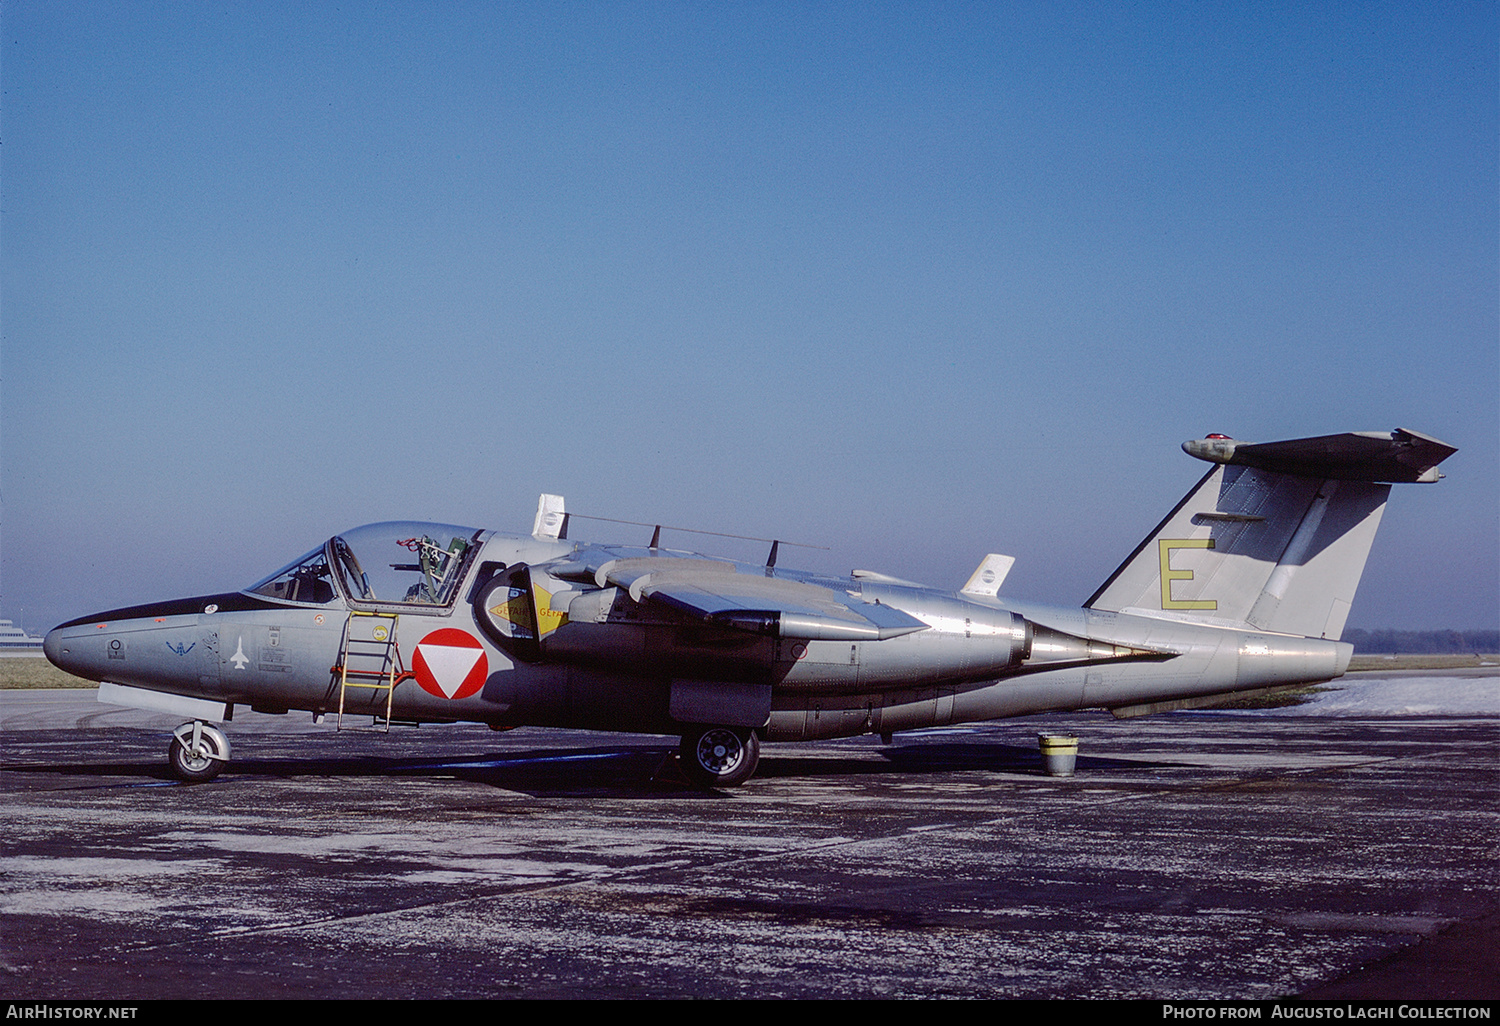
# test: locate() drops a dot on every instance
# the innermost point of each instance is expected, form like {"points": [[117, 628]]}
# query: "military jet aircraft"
{"points": [[1245, 584]]}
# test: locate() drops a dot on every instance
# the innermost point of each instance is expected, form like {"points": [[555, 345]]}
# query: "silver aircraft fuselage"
{"points": [[974, 661]]}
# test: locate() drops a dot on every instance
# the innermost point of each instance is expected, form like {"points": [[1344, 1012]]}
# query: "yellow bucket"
{"points": [[1059, 754]]}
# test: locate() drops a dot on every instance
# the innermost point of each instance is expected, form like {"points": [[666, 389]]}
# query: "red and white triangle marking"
{"points": [[449, 663]]}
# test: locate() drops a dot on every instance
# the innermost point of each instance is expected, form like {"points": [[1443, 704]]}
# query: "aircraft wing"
{"points": [[715, 592]]}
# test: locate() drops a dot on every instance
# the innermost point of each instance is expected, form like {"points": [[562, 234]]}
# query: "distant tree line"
{"points": [[1375, 642]]}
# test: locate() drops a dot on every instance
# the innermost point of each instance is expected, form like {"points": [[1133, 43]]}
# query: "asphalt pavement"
{"points": [[1192, 855]]}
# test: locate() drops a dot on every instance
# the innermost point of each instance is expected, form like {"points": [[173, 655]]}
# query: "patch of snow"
{"points": [[1403, 696]]}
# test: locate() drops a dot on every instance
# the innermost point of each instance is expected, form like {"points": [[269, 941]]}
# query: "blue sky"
{"points": [[913, 282]]}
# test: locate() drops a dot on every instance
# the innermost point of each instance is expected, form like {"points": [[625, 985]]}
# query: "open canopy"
{"points": [[398, 562]]}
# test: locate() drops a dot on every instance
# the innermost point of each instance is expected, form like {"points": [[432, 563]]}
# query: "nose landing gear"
{"points": [[198, 752]]}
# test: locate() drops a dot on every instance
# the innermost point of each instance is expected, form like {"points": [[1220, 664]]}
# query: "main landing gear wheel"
{"points": [[719, 756], [198, 752]]}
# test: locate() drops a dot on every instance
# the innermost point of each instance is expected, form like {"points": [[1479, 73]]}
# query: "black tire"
{"points": [[719, 756], [196, 767]]}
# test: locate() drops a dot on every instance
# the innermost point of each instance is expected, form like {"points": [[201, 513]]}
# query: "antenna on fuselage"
{"points": [[657, 529], [551, 519]]}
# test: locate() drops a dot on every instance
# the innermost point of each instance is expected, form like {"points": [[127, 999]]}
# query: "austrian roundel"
{"points": [[449, 663]]}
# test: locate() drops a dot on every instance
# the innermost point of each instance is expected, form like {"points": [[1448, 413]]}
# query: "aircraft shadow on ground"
{"points": [[932, 757], [605, 770]]}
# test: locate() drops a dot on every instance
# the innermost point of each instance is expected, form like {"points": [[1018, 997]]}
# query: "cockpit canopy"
{"points": [[406, 563]]}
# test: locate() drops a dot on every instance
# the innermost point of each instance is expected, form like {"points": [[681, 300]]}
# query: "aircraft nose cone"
{"points": [[52, 648], [63, 650]]}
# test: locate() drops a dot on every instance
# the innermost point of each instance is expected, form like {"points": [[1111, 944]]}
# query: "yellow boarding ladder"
{"points": [[370, 658]]}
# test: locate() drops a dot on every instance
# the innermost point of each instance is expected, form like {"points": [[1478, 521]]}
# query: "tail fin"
{"points": [[1275, 537]]}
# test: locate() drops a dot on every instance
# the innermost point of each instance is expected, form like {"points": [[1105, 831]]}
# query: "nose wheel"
{"points": [[198, 752], [719, 756]]}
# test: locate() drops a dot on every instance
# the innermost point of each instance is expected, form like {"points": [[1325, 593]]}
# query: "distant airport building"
{"points": [[16, 642]]}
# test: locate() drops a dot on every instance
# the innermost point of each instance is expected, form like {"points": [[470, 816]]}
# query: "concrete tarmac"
{"points": [[1193, 855]]}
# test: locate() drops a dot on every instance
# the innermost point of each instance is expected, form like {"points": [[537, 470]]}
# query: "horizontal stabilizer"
{"points": [[1399, 456]]}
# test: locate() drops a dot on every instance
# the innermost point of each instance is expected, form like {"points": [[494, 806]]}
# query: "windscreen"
{"points": [[305, 580]]}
